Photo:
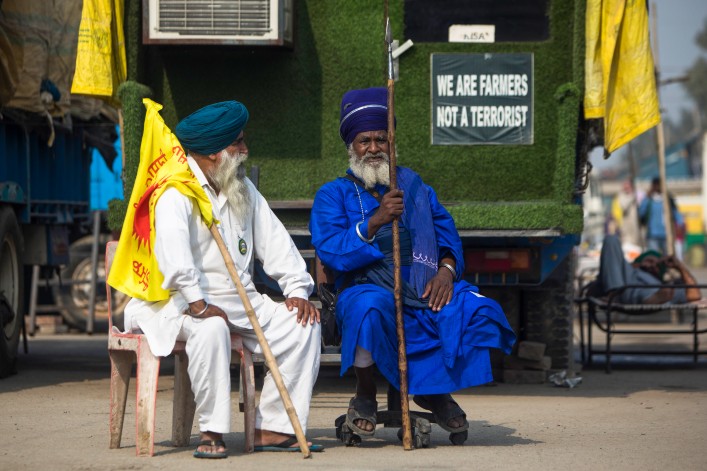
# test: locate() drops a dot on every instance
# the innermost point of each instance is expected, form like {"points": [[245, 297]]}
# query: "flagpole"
{"points": [[660, 144], [397, 289], [269, 357]]}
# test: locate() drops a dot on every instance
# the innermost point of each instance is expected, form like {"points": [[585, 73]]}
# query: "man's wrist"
{"points": [[449, 267], [360, 236], [197, 308]]}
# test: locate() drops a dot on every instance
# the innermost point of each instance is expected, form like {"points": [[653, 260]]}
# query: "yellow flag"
{"points": [[118, 60], [100, 55], [163, 164], [619, 73]]}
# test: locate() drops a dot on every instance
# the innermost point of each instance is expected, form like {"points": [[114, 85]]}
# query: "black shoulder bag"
{"points": [[330, 331]]}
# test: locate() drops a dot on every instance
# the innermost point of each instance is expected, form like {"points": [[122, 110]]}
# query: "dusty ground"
{"points": [[650, 415]]}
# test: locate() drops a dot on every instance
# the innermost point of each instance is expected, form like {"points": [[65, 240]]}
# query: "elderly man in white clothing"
{"points": [[204, 303]]}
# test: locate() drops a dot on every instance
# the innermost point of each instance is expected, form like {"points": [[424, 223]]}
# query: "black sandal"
{"points": [[438, 404], [361, 408]]}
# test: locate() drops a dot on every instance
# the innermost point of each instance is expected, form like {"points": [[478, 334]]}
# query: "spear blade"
{"points": [[389, 43]]}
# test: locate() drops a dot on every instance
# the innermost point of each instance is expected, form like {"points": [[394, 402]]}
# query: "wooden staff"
{"points": [[397, 289], [269, 358]]}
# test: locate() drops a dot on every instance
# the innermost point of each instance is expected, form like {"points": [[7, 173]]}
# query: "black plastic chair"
{"points": [[392, 416]]}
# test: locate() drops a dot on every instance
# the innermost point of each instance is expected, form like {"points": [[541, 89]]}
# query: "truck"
{"points": [[47, 138], [513, 183]]}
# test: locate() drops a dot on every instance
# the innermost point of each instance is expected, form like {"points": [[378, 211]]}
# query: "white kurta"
{"points": [[194, 269]]}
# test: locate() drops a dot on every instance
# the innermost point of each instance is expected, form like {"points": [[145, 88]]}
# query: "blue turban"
{"points": [[212, 128], [362, 111]]}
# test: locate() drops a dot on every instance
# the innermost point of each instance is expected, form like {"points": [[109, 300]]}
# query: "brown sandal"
{"points": [[211, 454]]}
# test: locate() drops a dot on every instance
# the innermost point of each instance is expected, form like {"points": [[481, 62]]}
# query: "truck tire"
{"points": [[549, 312], [73, 299], [11, 285]]}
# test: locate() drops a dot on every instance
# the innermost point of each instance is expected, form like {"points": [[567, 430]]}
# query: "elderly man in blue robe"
{"points": [[449, 326], [204, 304]]}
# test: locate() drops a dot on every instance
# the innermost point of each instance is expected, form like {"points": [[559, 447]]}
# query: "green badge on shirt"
{"points": [[242, 247]]}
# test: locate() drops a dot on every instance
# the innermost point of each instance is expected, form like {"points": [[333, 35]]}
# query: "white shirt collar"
{"points": [[196, 170], [201, 178]]}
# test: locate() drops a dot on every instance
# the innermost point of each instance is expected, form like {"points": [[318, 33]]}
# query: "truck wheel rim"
{"points": [[81, 291], [9, 280]]}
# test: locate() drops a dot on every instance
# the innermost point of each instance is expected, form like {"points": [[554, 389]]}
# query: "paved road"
{"points": [[644, 416], [650, 414]]}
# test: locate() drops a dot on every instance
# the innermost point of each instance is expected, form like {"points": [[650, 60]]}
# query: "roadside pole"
{"points": [[660, 141]]}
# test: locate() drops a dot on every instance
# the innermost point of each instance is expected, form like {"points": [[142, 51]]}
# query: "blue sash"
{"points": [[417, 218]]}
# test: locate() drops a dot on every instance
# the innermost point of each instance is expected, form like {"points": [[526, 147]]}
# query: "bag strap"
{"points": [[349, 277]]}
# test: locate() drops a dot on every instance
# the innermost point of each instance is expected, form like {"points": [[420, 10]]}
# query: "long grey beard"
{"points": [[229, 176], [370, 175]]}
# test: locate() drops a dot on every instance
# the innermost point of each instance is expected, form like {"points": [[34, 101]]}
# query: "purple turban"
{"points": [[212, 128], [362, 111]]}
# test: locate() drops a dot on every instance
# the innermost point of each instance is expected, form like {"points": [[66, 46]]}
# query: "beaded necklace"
{"points": [[360, 203]]}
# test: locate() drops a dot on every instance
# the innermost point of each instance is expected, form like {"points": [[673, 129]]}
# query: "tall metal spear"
{"points": [[397, 290]]}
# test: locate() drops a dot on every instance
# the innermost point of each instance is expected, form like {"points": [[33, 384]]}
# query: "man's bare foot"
{"points": [[368, 406], [270, 438], [210, 436], [364, 425], [443, 406], [365, 399], [455, 422], [362, 413]]}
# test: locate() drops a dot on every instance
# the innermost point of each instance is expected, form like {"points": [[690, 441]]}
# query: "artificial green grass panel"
{"points": [[567, 218], [133, 39], [292, 185], [294, 95], [116, 214], [492, 172]]}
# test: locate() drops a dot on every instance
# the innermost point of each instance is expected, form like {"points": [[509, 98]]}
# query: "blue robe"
{"points": [[446, 350]]}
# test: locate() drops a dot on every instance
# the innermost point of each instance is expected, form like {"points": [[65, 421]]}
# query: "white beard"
{"points": [[229, 176], [370, 174]]}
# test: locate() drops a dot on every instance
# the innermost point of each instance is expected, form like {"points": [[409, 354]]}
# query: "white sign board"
{"points": [[472, 34]]}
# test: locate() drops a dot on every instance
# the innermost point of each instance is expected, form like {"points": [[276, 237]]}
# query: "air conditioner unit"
{"points": [[218, 22]]}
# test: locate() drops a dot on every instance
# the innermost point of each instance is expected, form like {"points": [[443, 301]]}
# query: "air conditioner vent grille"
{"points": [[215, 17]]}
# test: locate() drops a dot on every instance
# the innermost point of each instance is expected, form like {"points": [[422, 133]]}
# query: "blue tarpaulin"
{"points": [[106, 183]]}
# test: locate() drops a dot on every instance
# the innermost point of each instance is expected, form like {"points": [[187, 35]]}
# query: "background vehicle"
{"points": [[46, 140], [73, 295], [517, 206], [43, 199]]}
